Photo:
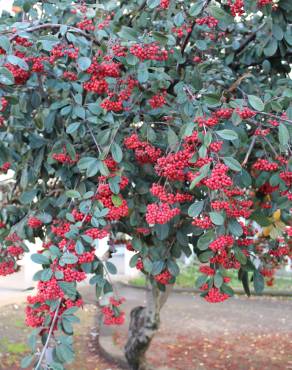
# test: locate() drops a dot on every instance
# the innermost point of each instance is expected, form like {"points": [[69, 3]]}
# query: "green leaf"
{"points": [[271, 47], [143, 73], [258, 282], [256, 103], [68, 288], [157, 267], [153, 3], [4, 43], [6, 77], [27, 196], [201, 280], [40, 259], [111, 268], [18, 62], [172, 137], [83, 63], [196, 208], [205, 256], [227, 134], [162, 231], [26, 361], [196, 8], [116, 152], [69, 259], [90, 165], [284, 135], [234, 227], [217, 218], [218, 279], [205, 240], [232, 163], [73, 194], [128, 34], [117, 201], [240, 256], [46, 274], [172, 267]]}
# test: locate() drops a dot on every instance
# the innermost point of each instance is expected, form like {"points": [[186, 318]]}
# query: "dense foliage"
{"points": [[168, 121]]}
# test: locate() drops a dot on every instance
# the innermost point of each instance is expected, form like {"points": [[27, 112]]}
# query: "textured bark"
{"points": [[144, 324]]}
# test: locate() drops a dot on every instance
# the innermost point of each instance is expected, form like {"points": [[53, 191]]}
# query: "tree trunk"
{"points": [[144, 323]]}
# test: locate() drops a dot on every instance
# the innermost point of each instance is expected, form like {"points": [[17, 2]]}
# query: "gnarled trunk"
{"points": [[144, 323]]}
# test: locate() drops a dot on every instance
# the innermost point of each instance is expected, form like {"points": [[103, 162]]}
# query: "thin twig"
{"points": [[57, 26], [275, 117], [93, 137], [249, 151], [271, 146], [49, 335]]}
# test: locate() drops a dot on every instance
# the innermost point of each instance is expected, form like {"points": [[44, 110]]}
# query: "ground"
{"points": [[241, 334]]}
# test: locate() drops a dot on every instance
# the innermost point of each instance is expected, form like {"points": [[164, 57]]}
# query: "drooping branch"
{"points": [[248, 40], [57, 26]]}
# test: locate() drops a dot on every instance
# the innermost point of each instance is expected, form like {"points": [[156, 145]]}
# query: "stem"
{"points": [[249, 151], [93, 137], [271, 146], [49, 335], [56, 25], [276, 117]]}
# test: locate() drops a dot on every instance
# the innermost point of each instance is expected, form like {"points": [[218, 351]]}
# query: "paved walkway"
{"points": [[239, 334]]}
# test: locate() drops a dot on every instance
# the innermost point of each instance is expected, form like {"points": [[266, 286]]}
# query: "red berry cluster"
{"points": [[119, 50], [116, 204], [221, 243], [95, 233], [9, 255], [151, 51], [267, 188], [265, 165], [143, 230], [64, 158], [34, 223], [262, 3], [164, 277], [209, 122], [164, 4], [7, 268], [234, 207], [209, 21], [197, 59], [173, 166], [115, 101], [236, 7], [19, 74], [207, 270], [86, 25], [61, 50], [224, 113], [22, 41], [105, 22], [215, 296], [5, 167], [4, 104], [202, 222], [158, 100], [218, 178], [286, 176], [245, 113], [71, 76], [159, 192], [112, 314], [262, 132], [181, 31], [144, 152], [160, 213]]}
